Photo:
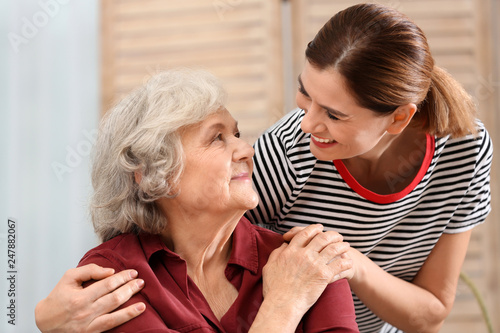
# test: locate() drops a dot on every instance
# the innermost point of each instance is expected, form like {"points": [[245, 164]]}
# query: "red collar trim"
{"points": [[393, 197]]}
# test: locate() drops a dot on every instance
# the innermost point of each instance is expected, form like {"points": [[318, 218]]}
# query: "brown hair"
{"points": [[386, 62]]}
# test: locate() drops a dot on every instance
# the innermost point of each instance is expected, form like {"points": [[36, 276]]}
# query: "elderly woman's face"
{"points": [[218, 166]]}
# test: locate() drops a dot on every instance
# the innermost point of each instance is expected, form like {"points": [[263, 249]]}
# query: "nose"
{"points": [[243, 151], [312, 121]]}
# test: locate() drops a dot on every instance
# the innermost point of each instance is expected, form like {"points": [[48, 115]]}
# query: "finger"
{"points": [[303, 237], [345, 255], [321, 240], [333, 251], [107, 285], [113, 300], [111, 320], [276, 252], [341, 268], [88, 272], [291, 233]]}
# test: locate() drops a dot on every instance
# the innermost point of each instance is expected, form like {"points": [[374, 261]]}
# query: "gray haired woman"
{"points": [[172, 180]]}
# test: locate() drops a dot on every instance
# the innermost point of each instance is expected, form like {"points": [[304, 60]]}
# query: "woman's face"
{"points": [[340, 129], [218, 167]]}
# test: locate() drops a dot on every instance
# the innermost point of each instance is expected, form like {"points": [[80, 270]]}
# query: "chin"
{"points": [[252, 200], [322, 155]]}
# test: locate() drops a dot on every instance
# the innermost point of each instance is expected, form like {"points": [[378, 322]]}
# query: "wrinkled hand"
{"points": [[72, 308], [299, 271], [344, 263]]}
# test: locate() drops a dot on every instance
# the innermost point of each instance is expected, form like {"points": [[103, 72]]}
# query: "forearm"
{"points": [[398, 302], [274, 317]]}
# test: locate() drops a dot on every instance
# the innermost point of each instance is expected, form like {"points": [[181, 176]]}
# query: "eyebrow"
{"points": [[328, 109], [221, 126]]}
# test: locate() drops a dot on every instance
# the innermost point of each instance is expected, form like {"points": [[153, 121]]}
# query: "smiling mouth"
{"points": [[321, 140]]}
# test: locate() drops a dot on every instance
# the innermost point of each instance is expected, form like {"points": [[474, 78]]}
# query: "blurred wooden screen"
{"points": [[457, 31], [237, 40]]}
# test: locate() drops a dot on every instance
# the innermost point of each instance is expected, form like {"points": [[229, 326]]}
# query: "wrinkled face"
{"points": [[218, 167], [340, 129]]}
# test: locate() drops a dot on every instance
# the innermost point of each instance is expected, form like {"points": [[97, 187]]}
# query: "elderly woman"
{"points": [[172, 181]]}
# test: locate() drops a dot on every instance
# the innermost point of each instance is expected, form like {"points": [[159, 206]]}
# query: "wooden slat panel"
{"points": [[134, 8], [206, 20], [187, 58], [238, 41]]}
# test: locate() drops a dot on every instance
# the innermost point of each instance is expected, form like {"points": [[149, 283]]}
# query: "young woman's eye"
{"points": [[302, 90], [331, 116], [237, 134]]}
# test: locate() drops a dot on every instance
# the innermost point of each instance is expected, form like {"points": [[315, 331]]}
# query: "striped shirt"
{"points": [[450, 194]]}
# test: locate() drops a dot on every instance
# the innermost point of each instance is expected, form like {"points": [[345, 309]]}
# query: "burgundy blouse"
{"points": [[175, 304]]}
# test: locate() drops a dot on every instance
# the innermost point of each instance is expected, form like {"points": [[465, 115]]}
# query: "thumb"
{"points": [[89, 272]]}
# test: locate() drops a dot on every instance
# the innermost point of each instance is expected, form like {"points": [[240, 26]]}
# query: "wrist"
{"points": [[277, 314], [359, 268], [40, 318]]}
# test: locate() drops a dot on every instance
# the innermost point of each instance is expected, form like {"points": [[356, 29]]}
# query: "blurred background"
{"points": [[64, 63]]}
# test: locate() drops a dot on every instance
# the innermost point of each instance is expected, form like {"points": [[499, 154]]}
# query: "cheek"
{"points": [[209, 193]]}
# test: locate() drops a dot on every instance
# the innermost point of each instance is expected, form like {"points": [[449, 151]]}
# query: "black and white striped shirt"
{"points": [[450, 194]]}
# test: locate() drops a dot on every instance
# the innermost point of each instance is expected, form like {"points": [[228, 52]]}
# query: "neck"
{"points": [[371, 160], [389, 148], [391, 155], [203, 250], [203, 240]]}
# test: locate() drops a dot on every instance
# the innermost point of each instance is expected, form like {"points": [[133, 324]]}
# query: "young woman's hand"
{"points": [[72, 308]]}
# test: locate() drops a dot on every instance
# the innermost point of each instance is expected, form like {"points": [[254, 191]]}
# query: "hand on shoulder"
{"points": [[70, 307]]}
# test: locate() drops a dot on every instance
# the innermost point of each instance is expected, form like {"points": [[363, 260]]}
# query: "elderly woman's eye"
{"points": [[218, 137]]}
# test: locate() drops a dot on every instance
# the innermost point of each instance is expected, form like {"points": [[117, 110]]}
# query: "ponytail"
{"points": [[447, 109]]}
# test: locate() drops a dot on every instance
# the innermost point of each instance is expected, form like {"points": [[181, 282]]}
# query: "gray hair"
{"points": [[142, 134]]}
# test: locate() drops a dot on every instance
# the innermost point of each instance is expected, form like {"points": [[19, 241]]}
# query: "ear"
{"points": [[137, 177], [401, 118]]}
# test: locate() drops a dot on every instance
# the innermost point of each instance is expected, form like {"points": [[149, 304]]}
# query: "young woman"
{"points": [[385, 149]]}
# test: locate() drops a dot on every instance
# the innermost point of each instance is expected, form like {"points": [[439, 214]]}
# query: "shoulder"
{"points": [[284, 145], [471, 149], [113, 252], [285, 131], [336, 298], [472, 142], [267, 240]]}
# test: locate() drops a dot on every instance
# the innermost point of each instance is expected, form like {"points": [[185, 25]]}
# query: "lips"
{"points": [[322, 143], [241, 176]]}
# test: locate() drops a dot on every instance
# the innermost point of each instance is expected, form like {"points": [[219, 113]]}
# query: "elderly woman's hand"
{"points": [[299, 271], [339, 262], [72, 308]]}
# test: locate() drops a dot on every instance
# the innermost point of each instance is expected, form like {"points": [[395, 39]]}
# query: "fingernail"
{"points": [[140, 283], [140, 307], [133, 274]]}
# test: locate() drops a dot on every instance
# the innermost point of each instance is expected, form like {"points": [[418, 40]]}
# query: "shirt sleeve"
{"points": [[147, 322], [475, 205], [333, 312]]}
